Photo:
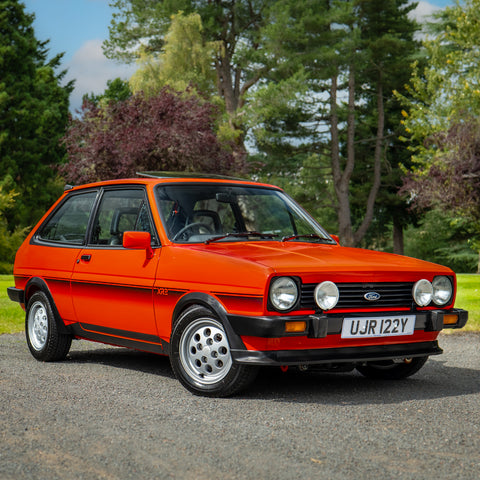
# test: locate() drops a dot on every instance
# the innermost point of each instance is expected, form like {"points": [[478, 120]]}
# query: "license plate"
{"points": [[359, 327]]}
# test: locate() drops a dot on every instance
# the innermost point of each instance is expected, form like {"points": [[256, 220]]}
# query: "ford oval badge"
{"points": [[371, 296]]}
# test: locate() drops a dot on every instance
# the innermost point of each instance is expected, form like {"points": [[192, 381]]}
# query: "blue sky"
{"points": [[78, 28]]}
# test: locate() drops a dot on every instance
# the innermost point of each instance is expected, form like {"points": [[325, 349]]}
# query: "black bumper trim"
{"points": [[321, 325], [16, 294], [336, 355]]}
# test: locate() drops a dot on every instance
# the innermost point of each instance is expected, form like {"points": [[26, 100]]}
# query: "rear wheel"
{"points": [[391, 370], [43, 339], [201, 357]]}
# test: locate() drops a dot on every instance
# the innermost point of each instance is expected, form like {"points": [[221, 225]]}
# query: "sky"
{"points": [[79, 27]]}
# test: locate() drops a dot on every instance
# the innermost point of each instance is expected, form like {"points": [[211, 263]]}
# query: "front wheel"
{"points": [[391, 370], [43, 339], [201, 358]]}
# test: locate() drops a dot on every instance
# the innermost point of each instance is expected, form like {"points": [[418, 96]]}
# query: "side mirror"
{"points": [[336, 238], [138, 241]]}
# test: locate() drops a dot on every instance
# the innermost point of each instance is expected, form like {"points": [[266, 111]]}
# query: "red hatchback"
{"points": [[223, 276]]}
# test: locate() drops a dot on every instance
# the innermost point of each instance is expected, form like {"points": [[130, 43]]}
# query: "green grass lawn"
{"points": [[12, 317], [468, 298]]}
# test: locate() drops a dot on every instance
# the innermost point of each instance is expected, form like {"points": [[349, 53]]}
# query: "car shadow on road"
{"points": [[123, 358], [435, 380]]}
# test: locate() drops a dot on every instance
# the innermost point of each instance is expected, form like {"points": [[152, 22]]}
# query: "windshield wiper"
{"points": [[240, 234], [309, 235]]}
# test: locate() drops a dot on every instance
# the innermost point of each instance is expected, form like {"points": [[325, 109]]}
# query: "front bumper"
{"points": [[320, 326]]}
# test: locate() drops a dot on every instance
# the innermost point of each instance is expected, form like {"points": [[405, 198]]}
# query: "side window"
{"points": [[120, 211], [68, 224]]}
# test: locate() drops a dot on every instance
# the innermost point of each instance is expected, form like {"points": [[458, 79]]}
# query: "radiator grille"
{"points": [[352, 295]]}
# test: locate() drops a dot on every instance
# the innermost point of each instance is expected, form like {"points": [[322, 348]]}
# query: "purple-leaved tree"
{"points": [[168, 132], [451, 181]]}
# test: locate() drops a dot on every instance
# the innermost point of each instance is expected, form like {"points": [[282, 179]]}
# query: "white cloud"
{"points": [[91, 69], [424, 11]]}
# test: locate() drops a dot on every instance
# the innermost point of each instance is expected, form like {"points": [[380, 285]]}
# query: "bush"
{"points": [[444, 240], [9, 241]]}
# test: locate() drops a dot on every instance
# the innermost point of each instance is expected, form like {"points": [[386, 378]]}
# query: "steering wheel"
{"points": [[195, 228]]}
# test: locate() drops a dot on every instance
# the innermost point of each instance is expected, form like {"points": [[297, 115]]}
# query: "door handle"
{"points": [[86, 258]]}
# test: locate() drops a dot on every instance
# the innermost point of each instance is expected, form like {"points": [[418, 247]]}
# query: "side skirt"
{"points": [[121, 338]]}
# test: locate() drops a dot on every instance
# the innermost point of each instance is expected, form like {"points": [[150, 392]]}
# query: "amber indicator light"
{"points": [[450, 319], [295, 327]]}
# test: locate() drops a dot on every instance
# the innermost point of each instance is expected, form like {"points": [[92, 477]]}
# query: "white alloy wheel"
{"points": [[201, 356], [44, 339], [38, 325], [204, 351]]}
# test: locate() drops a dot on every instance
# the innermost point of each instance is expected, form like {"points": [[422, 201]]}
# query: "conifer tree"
{"points": [[350, 55], [33, 114]]}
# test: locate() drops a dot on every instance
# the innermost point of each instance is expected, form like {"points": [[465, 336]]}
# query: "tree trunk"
{"points": [[340, 179], [231, 91], [398, 246], [367, 219], [225, 84]]}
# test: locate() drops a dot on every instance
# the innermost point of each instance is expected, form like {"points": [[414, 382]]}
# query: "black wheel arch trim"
{"points": [[38, 284], [206, 300]]}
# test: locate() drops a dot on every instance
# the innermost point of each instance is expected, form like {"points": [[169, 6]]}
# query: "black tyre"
{"points": [[201, 358], [390, 370], [43, 339]]}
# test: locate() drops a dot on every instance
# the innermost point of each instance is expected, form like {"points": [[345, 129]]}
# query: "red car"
{"points": [[224, 276]]}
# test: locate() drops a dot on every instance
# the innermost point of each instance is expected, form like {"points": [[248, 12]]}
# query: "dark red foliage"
{"points": [[168, 132], [453, 180]]}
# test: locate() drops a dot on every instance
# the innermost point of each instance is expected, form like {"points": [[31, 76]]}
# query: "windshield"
{"points": [[194, 213]]}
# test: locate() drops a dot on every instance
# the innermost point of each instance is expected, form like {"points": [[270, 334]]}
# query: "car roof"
{"points": [[154, 178]]}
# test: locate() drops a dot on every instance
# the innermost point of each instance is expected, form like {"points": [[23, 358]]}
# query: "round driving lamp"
{"points": [[326, 295], [283, 293], [442, 290], [422, 293]]}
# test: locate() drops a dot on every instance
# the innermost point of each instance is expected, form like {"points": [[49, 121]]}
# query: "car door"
{"points": [[111, 285], [56, 246]]}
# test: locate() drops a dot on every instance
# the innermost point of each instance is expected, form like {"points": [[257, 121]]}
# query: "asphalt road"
{"points": [[110, 413]]}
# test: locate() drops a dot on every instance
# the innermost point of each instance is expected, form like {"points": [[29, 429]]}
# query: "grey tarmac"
{"points": [[112, 413]]}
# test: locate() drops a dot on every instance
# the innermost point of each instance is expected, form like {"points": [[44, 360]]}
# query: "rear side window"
{"points": [[69, 223]]}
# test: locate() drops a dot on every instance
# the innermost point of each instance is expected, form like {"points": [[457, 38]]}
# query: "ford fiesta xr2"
{"points": [[224, 276]]}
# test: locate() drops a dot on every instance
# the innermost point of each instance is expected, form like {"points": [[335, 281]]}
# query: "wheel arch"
{"points": [[37, 284], [211, 303]]}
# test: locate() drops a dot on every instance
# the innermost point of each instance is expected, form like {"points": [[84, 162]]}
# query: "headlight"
{"points": [[326, 295], [442, 290], [422, 293], [283, 293]]}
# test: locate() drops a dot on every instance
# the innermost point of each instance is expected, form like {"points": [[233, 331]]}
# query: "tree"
{"points": [[351, 54], [441, 118], [33, 114], [185, 60], [117, 90], [165, 132], [233, 27], [9, 240]]}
